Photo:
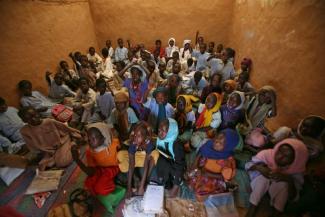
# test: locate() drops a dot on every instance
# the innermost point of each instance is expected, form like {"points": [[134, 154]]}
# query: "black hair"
{"points": [[23, 84], [198, 73], [230, 52], [91, 48], [105, 52], [100, 81], [158, 41], [216, 74], [178, 78], [119, 39], [121, 62], [316, 123], [137, 70], [2, 101], [164, 121], [23, 111], [61, 62], [212, 42], [190, 61], [83, 79]]}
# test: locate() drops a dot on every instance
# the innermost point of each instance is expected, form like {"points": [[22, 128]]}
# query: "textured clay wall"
{"points": [[35, 36], [285, 39], [146, 21]]}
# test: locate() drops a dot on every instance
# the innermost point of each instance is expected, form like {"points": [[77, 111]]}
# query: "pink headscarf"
{"points": [[299, 163], [247, 61]]}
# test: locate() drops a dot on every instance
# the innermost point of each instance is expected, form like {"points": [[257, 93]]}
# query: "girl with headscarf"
{"points": [[216, 163], [171, 47], [159, 107], [101, 156], [185, 116], [185, 53], [232, 113], [258, 108], [278, 171], [245, 66], [171, 161], [208, 121], [229, 86]]}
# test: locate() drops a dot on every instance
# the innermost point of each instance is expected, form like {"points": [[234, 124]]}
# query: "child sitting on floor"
{"points": [[101, 156], [169, 51], [159, 107], [174, 88], [232, 113], [171, 161], [278, 171], [83, 104], [258, 108], [104, 103], [185, 116], [35, 99], [197, 84], [94, 57], [70, 77], [245, 66], [216, 163], [123, 117], [209, 120], [51, 138], [214, 86], [10, 125], [57, 89], [87, 70], [243, 84], [140, 154], [229, 86], [173, 60]]}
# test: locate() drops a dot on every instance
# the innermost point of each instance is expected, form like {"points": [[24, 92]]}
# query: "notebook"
{"points": [[153, 199], [45, 181]]}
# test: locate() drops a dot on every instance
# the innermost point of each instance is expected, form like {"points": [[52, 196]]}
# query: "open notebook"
{"points": [[45, 181], [153, 199]]}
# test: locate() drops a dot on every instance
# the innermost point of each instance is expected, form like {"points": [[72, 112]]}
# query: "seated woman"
{"points": [[278, 171], [171, 161], [140, 154], [51, 138], [259, 107], [101, 157], [216, 162]]}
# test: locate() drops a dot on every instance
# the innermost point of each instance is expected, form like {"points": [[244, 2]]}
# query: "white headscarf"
{"points": [[242, 99], [170, 49]]}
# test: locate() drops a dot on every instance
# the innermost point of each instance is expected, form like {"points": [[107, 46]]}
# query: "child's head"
{"points": [[211, 47], [266, 94], [25, 87], [229, 86], [121, 99], [176, 68], [171, 42], [181, 104], [163, 129], [174, 81], [108, 43], [312, 126], [198, 76], [211, 101], [64, 65], [256, 138], [77, 55], [120, 42], [58, 78], [136, 74], [30, 115], [120, 65], [190, 62], [175, 56], [243, 78], [219, 142], [3, 105], [84, 61], [285, 155], [219, 48], [227, 53], [200, 40], [142, 133], [151, 66], [246, 64], [162, 67], [84, 85], [234, 101], [216, 80], [95, 137], [101, 86], [105, 52], [203, 47], [160, 94], [187, 44], [91, 51], [158, 43]]}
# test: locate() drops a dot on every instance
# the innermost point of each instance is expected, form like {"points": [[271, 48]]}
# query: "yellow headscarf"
{"points": [[189, 99], [205, 117]]}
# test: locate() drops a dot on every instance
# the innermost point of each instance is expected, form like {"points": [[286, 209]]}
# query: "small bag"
{"points": [[62, 113]]}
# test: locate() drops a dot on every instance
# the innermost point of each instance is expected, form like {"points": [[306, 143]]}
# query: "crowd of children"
{"points": [[143, 113]]}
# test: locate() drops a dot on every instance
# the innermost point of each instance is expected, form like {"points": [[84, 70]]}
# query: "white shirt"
{"points": [[201, 59], [216, 117], [59, 91], [121, 54]]}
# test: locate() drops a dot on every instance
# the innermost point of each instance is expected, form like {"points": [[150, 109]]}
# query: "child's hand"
{"points": [[75, 152], [48, 73], [128, 193]]}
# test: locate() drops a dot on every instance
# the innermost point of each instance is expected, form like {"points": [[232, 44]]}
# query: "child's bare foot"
{"points": [[140, 191]]}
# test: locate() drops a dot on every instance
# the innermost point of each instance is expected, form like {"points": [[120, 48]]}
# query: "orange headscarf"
{"points": [[205, 117]]}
